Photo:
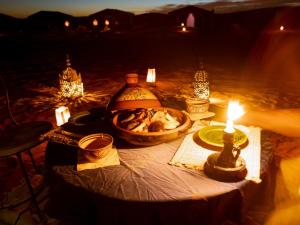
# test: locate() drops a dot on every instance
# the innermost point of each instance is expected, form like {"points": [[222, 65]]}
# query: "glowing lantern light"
{"points": [[182, 24], [70, 82], [95, 22], [67, 23], [235, 111], [201, 84], [281, 28], [62, 115], [106, 22], [183, 29], [151, 76]]}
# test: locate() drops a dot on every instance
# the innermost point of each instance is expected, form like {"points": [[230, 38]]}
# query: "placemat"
{"points": [[111, 159], [193, 156]]}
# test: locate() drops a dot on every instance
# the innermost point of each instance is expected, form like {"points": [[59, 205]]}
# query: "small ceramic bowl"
{"points": [[95, 146], [196, 105]]}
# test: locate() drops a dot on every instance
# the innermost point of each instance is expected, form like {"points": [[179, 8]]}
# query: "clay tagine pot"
{"points": [[133, 96]]}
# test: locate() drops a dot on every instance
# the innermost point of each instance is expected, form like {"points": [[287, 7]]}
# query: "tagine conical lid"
{"points": [[133, 96]]}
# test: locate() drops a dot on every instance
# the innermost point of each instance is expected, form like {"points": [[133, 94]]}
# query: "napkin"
{"points": [[193, 156], [111, 159]]}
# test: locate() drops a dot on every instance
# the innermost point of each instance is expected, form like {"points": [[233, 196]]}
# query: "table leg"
{"points": [[33, 161], [34, 201]]}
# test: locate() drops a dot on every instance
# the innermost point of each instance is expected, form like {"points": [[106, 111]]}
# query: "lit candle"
{"points": [[62, 115], [151, 76], [281, 28], [183, 29], [235, 110], [182, 24]]}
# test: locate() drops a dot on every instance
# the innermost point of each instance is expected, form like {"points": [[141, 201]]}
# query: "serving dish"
{"points": [[155, 137]]}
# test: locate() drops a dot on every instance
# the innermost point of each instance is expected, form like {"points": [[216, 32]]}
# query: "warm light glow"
{"points": [[106, 22], [201, 84], [67, 23], [183, 29], [182, 24], [234, 111], [62, 115], [151, 76], [95, 22], [281, 28], [70, 82]]}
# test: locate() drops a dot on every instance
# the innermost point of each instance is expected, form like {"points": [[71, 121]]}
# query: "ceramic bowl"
{"points": [[95, 146]]}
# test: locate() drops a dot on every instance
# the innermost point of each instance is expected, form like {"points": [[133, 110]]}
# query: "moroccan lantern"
{"points": [[70, 82], [201, 84]]}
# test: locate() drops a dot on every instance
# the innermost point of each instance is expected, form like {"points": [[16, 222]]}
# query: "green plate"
{"points": [[213, 136]]}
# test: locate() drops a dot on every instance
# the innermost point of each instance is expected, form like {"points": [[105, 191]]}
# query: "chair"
{"points": [[20, 138]]}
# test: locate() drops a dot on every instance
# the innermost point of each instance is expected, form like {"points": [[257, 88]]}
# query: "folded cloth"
{"points": [[111, 159], [192, 155]]}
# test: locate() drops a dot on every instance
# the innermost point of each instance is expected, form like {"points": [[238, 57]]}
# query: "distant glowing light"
{"points": [[106, 22], [67, 23], [182, 24], [184, 29], [95, 22], [281, 28], [151, 76]]}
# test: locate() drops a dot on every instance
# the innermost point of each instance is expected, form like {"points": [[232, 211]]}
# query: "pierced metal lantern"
{"points": [[70, 82], [201, 84]]}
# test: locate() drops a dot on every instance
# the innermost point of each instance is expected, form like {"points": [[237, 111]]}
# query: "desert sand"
{"points": [[261, 71]]}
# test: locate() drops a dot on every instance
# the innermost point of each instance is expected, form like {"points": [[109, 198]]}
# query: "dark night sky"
{"points": [[24, 8]]}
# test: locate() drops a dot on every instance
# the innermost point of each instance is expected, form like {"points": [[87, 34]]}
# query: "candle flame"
{"points": [[235, 110]]}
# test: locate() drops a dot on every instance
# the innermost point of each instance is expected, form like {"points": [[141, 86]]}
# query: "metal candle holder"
{"points": [[226, 165]]}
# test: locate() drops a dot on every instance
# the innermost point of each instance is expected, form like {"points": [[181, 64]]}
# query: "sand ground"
{"points": [[262, 72]]}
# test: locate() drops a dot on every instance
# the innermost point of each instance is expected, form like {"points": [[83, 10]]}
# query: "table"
{"points": [[19, 139], [144, 189]]}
